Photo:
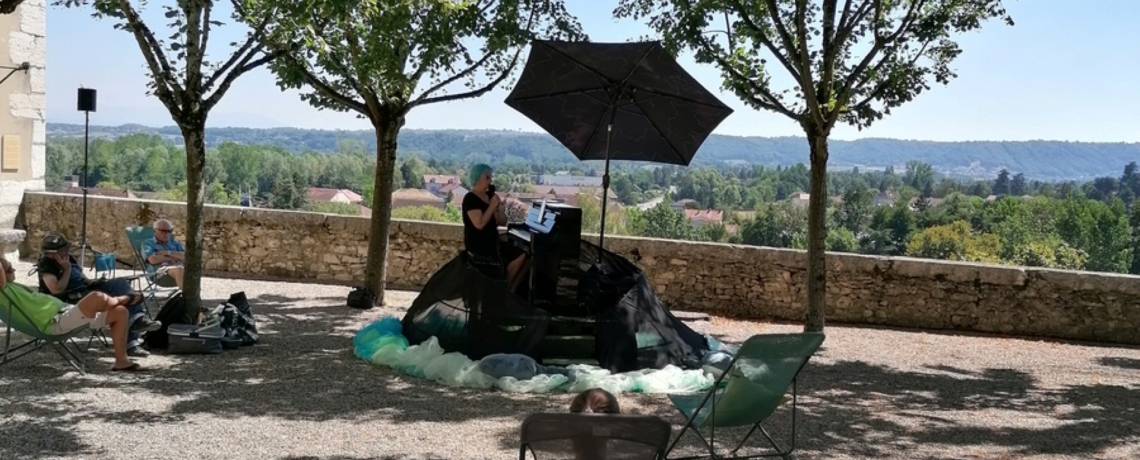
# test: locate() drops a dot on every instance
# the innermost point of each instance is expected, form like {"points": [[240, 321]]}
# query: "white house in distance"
{"points": [[564, 179], [23, 107]]}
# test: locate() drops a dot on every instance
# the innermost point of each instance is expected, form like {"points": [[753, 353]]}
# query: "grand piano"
{"points": [[551, 236]]}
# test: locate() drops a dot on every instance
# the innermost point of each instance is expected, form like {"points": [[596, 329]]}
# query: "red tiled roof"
{"points": [[327, 194], [708, 215], [415, 197], [440, 178], [444, 189], [414, 194]]}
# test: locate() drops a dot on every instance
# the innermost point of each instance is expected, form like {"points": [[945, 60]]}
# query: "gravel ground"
{"points": [[301, 394]]}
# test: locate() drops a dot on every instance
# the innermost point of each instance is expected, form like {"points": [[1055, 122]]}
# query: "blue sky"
{"points": [[1027, 82]]}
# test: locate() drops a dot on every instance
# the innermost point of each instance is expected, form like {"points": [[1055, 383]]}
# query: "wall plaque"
{"points": [[10, 153]]}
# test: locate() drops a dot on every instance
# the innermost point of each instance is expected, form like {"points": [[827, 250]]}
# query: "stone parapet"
{"points": [[721, 279]]}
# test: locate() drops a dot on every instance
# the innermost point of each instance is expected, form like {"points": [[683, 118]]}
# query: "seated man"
{"points": [[165, 254], [62, 277], [53, 316]]}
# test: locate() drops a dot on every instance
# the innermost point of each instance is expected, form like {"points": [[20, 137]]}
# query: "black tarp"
{"points": [[465, 305]]}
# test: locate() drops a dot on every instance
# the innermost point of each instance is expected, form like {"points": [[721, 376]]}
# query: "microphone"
{"points": [[491, 189]]}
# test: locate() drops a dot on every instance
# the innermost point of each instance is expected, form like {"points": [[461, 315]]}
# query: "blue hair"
{"points": [[475, 172]]}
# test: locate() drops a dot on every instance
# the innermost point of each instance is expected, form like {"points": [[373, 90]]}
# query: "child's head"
{"points": [[596, 401]]}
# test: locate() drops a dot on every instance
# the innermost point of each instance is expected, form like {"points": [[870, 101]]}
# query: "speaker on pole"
{"points": [[85, 104], [86, 100]]}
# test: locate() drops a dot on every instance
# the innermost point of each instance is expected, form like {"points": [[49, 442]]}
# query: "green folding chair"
{"points": [[749, 391], [16, 319], [150, 284]]}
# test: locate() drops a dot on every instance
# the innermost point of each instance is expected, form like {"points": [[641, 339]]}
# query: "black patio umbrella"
{"points": [[616, 101]]}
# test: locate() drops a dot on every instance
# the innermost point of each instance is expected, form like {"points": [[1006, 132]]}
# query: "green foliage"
{"points": [[428, 214], [841, 240], [955, 241], [617, 223], [380, 59], [854, 212], [347, 209], [779, 225], [1099, 230], [713, 231], [449, 149], [869, 58], [661, 221], [1077, 232]]}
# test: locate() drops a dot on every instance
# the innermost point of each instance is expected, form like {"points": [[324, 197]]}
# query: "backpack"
{"points": [[174, 311], [361, 298], [237, 320]]}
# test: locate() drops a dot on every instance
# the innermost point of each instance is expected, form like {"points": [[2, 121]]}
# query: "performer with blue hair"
{"points": [[483, 213]]}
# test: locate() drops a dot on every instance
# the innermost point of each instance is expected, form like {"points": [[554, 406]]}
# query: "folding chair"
{"points": [[594, 436], [18, 320], [749, 391], [151, 285], [72, 296]]}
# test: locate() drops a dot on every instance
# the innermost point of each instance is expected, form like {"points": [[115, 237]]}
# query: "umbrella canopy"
{"points": [[653, 110]]}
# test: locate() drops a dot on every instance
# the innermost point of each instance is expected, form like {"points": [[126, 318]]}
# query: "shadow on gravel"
{"points": [[1123, 363], [304, 369], [34, 431], [343, 457]]}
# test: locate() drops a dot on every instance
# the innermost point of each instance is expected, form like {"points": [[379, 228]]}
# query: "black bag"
{"points": [[361, 298], [173, 312], [188, 339], [237, 320]]}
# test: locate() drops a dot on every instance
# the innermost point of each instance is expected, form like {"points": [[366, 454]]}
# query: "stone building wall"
{"points": [[738, 281], [22, 112]]}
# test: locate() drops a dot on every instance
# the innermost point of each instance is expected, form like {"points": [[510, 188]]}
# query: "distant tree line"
{"points": [[1009, 219]]}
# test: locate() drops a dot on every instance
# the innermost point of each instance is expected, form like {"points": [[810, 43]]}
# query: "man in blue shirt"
{"points": [[165, 254]]}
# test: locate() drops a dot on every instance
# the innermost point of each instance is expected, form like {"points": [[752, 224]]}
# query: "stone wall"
{"points": [[738, 281], [22, 111]]}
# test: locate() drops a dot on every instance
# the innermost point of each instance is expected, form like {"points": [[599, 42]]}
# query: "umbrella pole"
{"points": [[605, 186]]}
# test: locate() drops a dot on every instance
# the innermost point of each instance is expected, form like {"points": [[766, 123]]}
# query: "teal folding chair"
{"points": [[151, 285], [15, 319], [750, 391]]}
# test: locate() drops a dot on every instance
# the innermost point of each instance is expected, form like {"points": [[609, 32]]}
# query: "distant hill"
{"points": [[1047, 160]]}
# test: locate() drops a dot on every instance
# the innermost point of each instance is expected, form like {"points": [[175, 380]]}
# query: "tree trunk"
{"points": [[195, 137], [817, 233], [376, 269]]}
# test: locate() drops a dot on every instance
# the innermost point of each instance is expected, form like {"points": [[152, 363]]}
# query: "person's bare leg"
{"points": [[116, 312], [176, 274], [514, 272]]}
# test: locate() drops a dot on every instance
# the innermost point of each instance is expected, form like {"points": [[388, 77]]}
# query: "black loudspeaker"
{"points": [[86, 100]]}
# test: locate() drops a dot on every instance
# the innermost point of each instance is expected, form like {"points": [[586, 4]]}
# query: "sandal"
{"points": [[134, 367]]}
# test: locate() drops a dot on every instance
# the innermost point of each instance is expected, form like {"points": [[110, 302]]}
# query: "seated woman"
{"points": [[483, 213], [62, 277], [53, 316], [595, 401]]}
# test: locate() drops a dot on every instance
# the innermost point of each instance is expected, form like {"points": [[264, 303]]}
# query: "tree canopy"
{"points": [[850, 62]]}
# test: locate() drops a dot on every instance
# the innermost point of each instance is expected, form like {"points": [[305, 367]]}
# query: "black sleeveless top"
{"points": [[483, 242]]}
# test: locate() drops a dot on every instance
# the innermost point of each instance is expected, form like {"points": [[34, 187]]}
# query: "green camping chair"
{"points": [[750, 390], [16, 319], [150, 284]]}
